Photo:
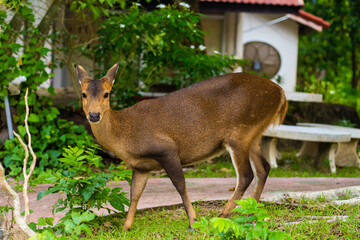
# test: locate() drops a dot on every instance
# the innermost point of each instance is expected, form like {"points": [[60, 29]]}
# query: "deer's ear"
{"points": [[81, 73], [111, 74]]}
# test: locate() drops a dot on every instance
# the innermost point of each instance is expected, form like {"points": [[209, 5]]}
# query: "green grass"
{"points": [[171, 222], [289, 166], [160, 223], [319, 229]]}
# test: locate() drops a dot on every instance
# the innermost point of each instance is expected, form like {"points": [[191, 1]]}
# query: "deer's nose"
{"points": [[94, 117]]}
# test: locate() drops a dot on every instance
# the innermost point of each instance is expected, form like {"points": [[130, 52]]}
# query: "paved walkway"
{"points": [[161, 192]]}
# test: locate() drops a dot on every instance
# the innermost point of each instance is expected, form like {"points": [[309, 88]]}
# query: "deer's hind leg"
{"points": [[260, 167], [240, 158]]}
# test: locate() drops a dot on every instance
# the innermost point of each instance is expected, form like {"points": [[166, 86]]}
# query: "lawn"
{"points": [[171, 222], [301, 220], [310, 217]]}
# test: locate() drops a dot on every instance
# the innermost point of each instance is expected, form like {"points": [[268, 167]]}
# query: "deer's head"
{"points": [[95, 93]]}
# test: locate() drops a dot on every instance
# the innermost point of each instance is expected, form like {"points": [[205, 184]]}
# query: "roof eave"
{"points": [[209, 7], [306, 23], [307, 19]]}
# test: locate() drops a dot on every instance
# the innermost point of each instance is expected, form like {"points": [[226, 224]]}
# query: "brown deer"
{"points": [[224, 113]]}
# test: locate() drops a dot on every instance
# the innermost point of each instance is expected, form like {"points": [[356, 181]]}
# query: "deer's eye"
{"points": [[106, 95], [83, 95]]}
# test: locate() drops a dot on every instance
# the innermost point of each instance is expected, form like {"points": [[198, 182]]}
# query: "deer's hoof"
{"points": [[127, 228]]}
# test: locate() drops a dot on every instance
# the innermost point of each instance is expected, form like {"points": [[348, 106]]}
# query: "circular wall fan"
{"points": [[264, 59]]}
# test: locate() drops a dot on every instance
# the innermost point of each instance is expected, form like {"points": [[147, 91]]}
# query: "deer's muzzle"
{"points": [[94, 117]]}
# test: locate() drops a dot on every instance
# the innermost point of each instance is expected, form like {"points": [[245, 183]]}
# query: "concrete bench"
{"points": [[327, 140], [346, 153]]}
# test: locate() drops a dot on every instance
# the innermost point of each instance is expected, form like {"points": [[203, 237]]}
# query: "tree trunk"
{"points": [[194, 4], [47, 21], [16, 24], [354, 79]]}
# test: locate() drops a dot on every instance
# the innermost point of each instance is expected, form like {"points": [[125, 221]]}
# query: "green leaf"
{"points": [[69, 226], [33, 118], [117, 204], [277, 235], [32, 225], [95, 11], [22, 130], [41, 221], [3, 92], [222, 224], [84, 217], [31, 98], [51, 90], [87, 192], [86, 228], [49, 221], [16, 47], [41, 194], [203, 224], [54, 154]]}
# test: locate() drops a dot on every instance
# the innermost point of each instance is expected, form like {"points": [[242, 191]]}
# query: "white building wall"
{"points": [[283, 36]]}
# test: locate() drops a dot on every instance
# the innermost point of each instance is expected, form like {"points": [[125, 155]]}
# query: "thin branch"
{"points": [[86, 43], [32, 167], [16, 203], [21, 221]]}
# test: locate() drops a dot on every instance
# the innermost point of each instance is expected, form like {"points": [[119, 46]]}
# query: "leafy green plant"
{"points": [[161, 46], [10, 4], [252, 224], [83, 186], [74, 226], [49, 132], [97, 7], [85, 189], [345, 123], [329, 61]]}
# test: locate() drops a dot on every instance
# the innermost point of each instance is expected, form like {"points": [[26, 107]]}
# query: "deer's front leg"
{"points": [[170, 161], [138, 183]]}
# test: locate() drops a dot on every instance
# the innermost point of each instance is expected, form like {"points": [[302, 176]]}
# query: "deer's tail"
{"points": [[281, 113]]}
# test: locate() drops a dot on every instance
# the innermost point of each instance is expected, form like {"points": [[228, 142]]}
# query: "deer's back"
{"points": [[199, 118]]}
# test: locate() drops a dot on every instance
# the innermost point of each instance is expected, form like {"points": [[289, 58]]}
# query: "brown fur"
{"points": [[228, 112]]}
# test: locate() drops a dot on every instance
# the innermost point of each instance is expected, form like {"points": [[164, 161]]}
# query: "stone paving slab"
{"points": [[161, 192]]}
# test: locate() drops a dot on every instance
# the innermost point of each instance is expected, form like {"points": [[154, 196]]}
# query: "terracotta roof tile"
{"points": [[313, 18]]}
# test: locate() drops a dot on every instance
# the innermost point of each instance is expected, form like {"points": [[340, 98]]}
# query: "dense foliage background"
{"points": [[160, 46], [329, 62]]}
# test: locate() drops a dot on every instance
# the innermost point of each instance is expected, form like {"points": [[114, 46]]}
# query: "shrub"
{"points": [[49, 132], [85, 189], [161, 46], [252, 224]]}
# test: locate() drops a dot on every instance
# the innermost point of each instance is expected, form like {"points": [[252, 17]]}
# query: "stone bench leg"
{"points": [[320, 151], [346, 154], [328, 151], [309, 149], [268, 149]]}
